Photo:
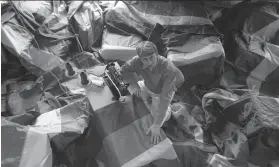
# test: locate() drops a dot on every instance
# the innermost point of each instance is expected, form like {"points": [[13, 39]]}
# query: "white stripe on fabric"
{"points": [[111, 143], [54, 122], [173, 20], [268, 110], [199, 145], [49, 120], [268, 64], [198, 134], [194, 43], [37, 150], [164, 148], [177, 20], [218, 160], [268, 31], [210, 51], [12, 34]]}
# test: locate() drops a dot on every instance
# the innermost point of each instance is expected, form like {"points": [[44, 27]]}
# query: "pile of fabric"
{"points": [[226, 113]]}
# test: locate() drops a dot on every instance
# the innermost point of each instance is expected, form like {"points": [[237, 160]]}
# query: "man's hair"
{"points": [[146, 48]]}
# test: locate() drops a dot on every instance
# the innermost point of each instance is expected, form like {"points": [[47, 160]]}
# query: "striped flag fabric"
{"points": [[200, 59], [252, 64], [37, 53], [123, 127], [139, 18], [24, 146], [251, 45], [180, 30], [254, 18], [168, 13], [32, 145], [242, 108], [235, 118]]}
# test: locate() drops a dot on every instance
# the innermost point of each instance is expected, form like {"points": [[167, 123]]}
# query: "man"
{"points": [[160, 81]]}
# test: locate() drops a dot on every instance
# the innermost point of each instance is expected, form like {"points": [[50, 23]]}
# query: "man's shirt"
{"points": [[164, 72]]}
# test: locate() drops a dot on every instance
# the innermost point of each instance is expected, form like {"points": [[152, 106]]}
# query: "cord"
{"points": [[59, 83], [48, 70]]}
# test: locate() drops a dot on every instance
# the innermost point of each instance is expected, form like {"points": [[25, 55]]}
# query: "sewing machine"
{"points": [[115, 81], [103, 84]]}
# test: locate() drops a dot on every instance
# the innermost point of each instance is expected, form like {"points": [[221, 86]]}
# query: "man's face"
{"points": [[149, 62]]}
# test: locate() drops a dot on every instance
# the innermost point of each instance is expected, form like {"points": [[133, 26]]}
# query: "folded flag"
{"points": [[123, 127]]}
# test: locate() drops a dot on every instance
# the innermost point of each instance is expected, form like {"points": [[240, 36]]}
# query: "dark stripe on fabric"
{"points": [[129, 142], [202, 72], [270, 86], [245, 21], [190, 153], [166, 163], [186, 43], [192, 29], [70, 131], [238, 44], [126, 144], [264, 71], [233, 112], [258, 20], [12, 143], [118, 115], [125, 18]]}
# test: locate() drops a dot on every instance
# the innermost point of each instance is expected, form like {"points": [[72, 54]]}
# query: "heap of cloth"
{"points": [[226, 112]]}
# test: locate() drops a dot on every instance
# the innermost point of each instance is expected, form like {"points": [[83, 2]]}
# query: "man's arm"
{"points": [[129, 73], [166, 95]]}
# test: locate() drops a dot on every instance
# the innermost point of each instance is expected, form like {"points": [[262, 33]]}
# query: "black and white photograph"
{"points": [[147, 83]]}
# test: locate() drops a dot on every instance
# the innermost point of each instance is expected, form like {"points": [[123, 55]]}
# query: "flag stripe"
{"points": [[12, 142], [63, 125], [163, 19], [53, 117], [130, 145], [256, 21], [210, 51], [164, 148], [37, 150], [269, 31], [219, 160], [176, 20], [118, 115], [267, 110], [12, 34], [267, 65], [25, 146], [171, 8], [123, 128], [193, 43]]}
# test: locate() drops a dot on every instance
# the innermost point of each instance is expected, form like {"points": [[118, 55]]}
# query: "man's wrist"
{"points": [[133, 87], [156, 125]]}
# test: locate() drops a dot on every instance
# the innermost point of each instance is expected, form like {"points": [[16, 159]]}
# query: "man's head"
{"points": [[147, 51]]}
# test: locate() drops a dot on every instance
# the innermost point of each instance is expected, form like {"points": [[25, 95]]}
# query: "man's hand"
{"points": [[137, 92], [156, 135]]}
